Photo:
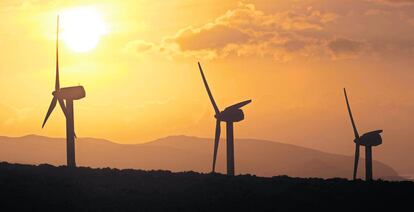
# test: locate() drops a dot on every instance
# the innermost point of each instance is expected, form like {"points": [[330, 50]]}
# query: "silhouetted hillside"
{"points": [[182, 153], [48, 188]]}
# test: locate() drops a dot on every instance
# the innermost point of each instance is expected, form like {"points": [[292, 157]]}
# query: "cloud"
{"points": [[245, 31], [398, 2], [215, 37], [375, 12], [249, 31], [139, 46], [342, 47], [302, 31]]}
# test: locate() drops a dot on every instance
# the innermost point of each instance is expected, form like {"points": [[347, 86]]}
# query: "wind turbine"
{"points": [[368, 140], [65, 97], [229, 115]]}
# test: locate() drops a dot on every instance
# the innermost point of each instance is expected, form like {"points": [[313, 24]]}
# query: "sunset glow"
{"points": [[137, 61], [189, 105], [82, 28]]}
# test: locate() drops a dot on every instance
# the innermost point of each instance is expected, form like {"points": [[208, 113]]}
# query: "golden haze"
{"points": [[291, 57]]}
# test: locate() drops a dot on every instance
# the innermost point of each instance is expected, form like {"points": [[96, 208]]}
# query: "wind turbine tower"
{"points": [[368, 140], [229, 115], [65, 97]]}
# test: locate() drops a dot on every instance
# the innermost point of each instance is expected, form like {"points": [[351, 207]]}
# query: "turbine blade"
{"points": [[62, 105], [51, 107], [57, 83], [350, 115], [356, 161], [216, 109], [240, 105], [216, 143]]}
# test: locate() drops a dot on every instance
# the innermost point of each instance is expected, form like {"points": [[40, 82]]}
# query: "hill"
{"points": [[183, 153], [49, 188]]}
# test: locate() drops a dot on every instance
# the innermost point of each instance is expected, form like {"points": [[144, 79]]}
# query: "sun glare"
{"points": [[82, 28]]}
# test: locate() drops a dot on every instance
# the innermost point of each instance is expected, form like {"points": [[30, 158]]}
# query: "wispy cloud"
{"points": [[12, 115]]}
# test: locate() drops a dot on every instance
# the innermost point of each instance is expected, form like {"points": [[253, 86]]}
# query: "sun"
{"points": [[82, 28]]}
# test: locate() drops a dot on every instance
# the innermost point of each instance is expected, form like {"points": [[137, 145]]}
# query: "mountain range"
{"points": [[185, 153]]}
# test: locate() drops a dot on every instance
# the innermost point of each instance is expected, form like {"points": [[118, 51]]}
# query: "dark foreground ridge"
{"points": [[49, 188]]}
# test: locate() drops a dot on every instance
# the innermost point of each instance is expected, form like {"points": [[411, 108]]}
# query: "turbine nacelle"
{"points": [[230, 115], [233, 113], [370, 139], [71, 93]]}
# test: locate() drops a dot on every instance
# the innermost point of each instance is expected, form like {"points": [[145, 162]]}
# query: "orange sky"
{"points": [[291, 57]]}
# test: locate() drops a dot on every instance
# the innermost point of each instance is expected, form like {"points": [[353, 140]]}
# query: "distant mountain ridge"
{"points": [[185, 153]]}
